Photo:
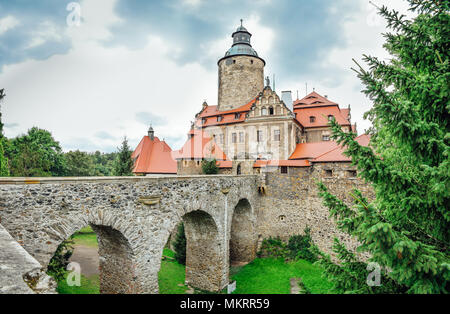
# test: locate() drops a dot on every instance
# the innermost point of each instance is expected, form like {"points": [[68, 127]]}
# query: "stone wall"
{"points": [[291, 203], [133, 217], [19, 271], [241, 78]]}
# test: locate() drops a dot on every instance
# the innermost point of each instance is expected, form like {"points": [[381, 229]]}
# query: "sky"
{"points": [[94, 71]]}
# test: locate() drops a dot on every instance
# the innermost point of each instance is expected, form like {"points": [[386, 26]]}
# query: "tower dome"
{"points": [[241, 72], [241, 44]]}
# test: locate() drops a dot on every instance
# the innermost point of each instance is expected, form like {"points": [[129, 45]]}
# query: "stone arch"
{"points": [[243, 239], [204, 261], [119, 272]]}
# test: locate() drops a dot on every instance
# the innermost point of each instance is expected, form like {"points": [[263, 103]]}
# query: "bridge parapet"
{"points": [[133, 216]]}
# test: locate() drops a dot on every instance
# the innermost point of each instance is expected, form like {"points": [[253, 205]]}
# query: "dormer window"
{"points": [[203, 121], [317, 102], [330, 117], [237, 116], [312, 119], [219, 118]]}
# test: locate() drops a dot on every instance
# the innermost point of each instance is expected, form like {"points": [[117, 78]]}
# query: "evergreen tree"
{"points": [[180, 245], [2, 95], [406, 228], [210, 167], [124, 164], [4, 170]]}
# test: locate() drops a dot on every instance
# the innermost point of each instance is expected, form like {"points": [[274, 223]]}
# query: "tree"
{"points": [[180, 245], [79, 164], [406, 228], [36, 154], [124, 164], [4, 170], [2, 95], [57, 267], [210, 167]]}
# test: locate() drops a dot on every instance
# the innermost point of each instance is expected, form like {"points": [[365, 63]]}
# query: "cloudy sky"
{"points": [[94, 71]]}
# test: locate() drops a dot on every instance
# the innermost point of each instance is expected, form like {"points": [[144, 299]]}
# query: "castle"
{"points": [[252, 129]]}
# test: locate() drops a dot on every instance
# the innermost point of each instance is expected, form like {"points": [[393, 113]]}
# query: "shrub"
{"points": [[210, 167], [300, 247], [180, 245], [273, 247], [57, 267]]}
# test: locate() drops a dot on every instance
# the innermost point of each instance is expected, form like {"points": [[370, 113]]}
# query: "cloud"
{"points": [[105, 136], [148, 118], [131, 63], [7, 23]]}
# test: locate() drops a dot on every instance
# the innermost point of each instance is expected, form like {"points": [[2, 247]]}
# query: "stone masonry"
{"points": [[133, 217]]}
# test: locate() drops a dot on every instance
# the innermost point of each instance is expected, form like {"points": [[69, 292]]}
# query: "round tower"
{"points": [[241, 72]]}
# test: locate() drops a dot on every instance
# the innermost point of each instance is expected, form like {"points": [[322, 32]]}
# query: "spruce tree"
{"points": [[4, 170], [406, 229], [180, 245], [124, 164]]}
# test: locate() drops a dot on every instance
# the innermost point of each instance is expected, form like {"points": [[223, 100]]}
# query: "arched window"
{"points": [[271, 111], [264, 111], [330, 117]]}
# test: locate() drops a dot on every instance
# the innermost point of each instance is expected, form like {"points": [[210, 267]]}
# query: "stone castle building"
{"points": [[252, 127]]}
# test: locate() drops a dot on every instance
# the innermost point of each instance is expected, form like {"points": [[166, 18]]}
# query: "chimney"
{"points": [[151, 133], [286, 96]]}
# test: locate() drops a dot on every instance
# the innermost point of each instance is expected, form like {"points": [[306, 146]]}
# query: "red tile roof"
{"points": [[210, 113], [153, 157], [312, 150], [337, 154], [281, 163], [224, 164], [313, 100], [319, 107], [199, 146]]}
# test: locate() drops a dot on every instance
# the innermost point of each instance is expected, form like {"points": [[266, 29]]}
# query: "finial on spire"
{"points": [[241, 22]]}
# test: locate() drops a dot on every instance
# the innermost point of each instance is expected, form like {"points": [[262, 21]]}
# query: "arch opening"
{"points": [[204, 261], [243, 236], [101, 255]]}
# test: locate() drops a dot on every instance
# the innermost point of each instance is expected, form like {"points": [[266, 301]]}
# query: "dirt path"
{"points": [[87, 257], [295, 288]]}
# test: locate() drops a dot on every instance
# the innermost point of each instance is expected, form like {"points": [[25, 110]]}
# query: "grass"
{"points": [[271, 276], [171, 275], [89, 285], [262, 276], [85, 237]]}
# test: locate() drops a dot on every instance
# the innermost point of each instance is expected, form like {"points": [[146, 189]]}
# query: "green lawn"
{"points": [[86, 237], [271, 276], [171, 275], [262, 276], [88, 286]]}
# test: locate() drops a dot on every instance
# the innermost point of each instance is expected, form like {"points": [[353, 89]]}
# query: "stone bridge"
{"points": [[133, 218]]}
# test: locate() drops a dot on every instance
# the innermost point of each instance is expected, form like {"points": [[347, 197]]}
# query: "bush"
{"points": [[180, 245], [273, 247], [300, 247], [210, 167], [57, 267]]}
